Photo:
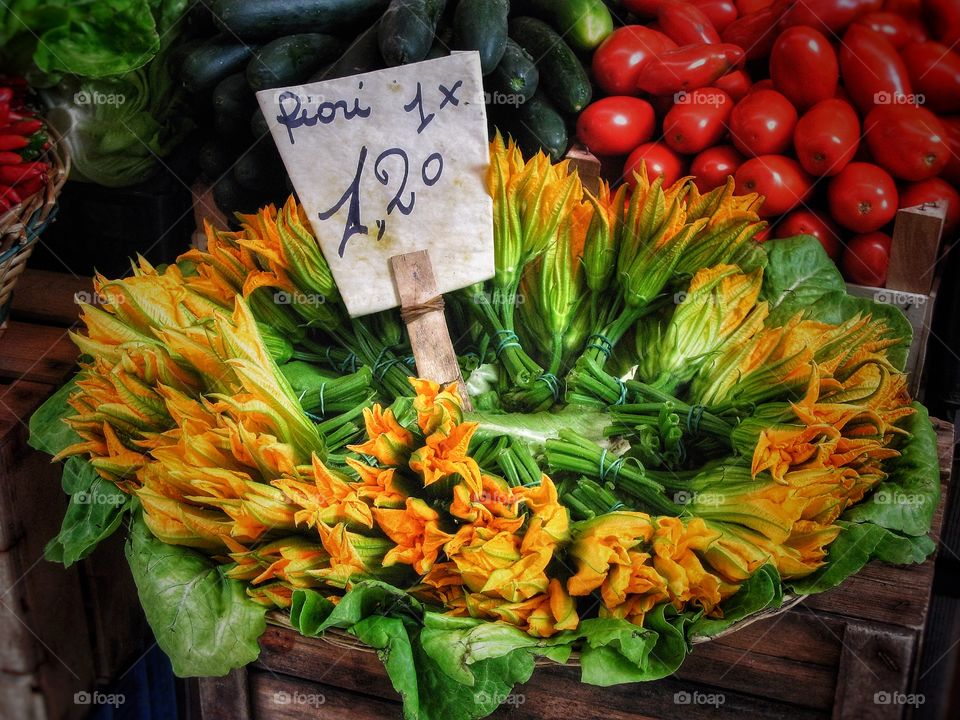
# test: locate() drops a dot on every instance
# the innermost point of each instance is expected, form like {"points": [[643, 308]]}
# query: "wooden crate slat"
{"points": [[280, 697], [875, 662], [49, 298], [37, 353]]}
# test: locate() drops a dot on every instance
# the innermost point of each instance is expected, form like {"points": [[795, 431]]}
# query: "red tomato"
{"points": [[872, 71], [615, 125], [660, 160], [781, 181], [763, 123], [943, 19], [686, 24], [866, 259], [736, 84], [951, 173], [688, 68], [935, 190], [697, 120], [720, 12], [892, 26], [755, 32], [765, 84], [934, 70], [804, 67], [808, 222], [617, 62], [827, 137], [712, 167], [906, 8], [863, 197], [830, 16], [745, 7], [909, 142]]}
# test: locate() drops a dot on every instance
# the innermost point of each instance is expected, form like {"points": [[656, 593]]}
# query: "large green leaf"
{"points": [[907, 500], [761, 591], [95, 511], [855, 546], [48, 432], [202, 620], [798, 273]]}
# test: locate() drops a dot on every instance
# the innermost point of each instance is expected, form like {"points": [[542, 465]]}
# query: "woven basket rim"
{"points": [[345, 641]]}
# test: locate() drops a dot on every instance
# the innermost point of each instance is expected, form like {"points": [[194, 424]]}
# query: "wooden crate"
{"points": [[831, 656], [64, 631]]}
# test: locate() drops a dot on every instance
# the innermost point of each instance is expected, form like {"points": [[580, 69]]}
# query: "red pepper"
{"points": [[686, 24], [10, 158], [31, 185], [13, 142], [14, 174], [10, 194], [688, 68], [22, 127], [755, 33]]}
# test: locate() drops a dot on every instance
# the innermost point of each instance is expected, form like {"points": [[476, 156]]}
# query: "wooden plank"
{"points": [[281, 697], [429, 335], [226, 698], [916, 242], [37, 353], [874, 673], [49, 298], [20, 697], [587, 166]]}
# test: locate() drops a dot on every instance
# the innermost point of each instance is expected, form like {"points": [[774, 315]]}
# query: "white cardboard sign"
{"points": [[391, 162]]}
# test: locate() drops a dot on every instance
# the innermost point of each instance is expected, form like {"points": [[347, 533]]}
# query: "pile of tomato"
{"points": [[838, 112]]}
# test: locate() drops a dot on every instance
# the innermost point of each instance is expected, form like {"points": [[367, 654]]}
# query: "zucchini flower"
{"points": [[177, 523], [675, 548], [387, 440], [542, 615], [604, 542], [289, 560], [442, 586], [601, 244], [352, 556], [330, 499], [416, 531], [495, 500], [446, 455], [272, 595], [379, 486], [437, 410]]}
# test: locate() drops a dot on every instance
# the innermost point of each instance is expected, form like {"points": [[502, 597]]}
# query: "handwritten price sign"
{"points": [[391, 162]]}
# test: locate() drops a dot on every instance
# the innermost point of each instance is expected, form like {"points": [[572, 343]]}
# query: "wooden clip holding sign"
{"points": [[421, 307], [390, 167]]}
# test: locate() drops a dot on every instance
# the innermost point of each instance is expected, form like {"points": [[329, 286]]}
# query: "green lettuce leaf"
{"points": [[48, 432], [907, 500], [94, 513], [761, 591], [798, 273], [536, 428], [203, 621], [855, 546]]}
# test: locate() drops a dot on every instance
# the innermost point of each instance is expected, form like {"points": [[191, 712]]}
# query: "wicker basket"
{"points": [[20, 227]]}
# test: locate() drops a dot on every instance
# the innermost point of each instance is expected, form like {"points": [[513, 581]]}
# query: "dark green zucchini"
{"points": [[362, 56], [407, 29], [266, 19], [562, 77], [232, 104], [212, 61], [516, 76], [291, 60], [481, 25], [258, 124], [537, 125], [260, 167], [214, 159]]}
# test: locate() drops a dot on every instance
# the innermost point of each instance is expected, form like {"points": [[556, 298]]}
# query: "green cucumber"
{"points": [[258, 124], [584, 24], [210, 62], [362, 56], [259, 167], [214, 159], [407, 28], [562, 77], [232, 104], [291, 60], [537, 125], [265, 19], [481, 25], [516, 76]]}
